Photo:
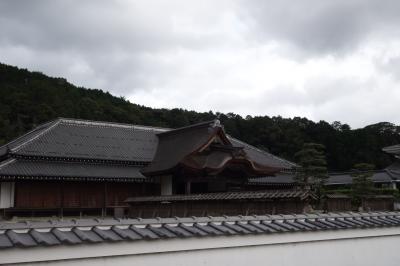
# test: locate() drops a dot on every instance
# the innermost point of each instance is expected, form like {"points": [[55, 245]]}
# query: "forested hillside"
{"points": [[30, 98]]}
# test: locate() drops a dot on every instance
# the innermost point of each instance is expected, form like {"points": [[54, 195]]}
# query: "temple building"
{"points": [[75, 167]]}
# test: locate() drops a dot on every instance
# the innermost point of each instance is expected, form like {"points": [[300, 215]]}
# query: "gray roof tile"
{"points": [[249, 227], [74, 170], [21, 239], [144, 232], [66, 237], [90, 140], [5, 242], [87, 235], [107, 234], [161, 232], [44, 238], [126, 233], [111, 230], [236, 228], [193, 230], [178, 230]]}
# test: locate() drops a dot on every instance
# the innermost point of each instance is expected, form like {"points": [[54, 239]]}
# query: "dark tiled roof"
{"points": [[75, 232], [347, 178], [88, 140], [383, 176], [183, 147], [42, 169], [174, 145], [242, 195], [24, 138], [94, 140]]}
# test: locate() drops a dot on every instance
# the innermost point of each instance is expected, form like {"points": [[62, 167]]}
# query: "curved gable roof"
{"points": [[184, 147]]}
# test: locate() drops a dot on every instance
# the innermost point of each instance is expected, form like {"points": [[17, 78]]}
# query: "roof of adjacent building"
{"points": [[78, 232], [381, 176], [388, 175], [240, 195], [70, 147]]}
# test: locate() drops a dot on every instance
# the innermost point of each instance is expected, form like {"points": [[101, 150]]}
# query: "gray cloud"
{"points": [[318, 27]]}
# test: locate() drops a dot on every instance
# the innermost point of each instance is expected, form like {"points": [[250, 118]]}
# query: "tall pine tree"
{"points": [[313, 172]]}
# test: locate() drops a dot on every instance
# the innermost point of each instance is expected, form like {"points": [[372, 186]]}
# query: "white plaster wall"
{"points": [[7, 194], [366, 247]]}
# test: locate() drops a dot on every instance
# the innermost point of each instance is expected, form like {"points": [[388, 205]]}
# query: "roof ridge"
{"points": [[110, 124], [212, 123], [37, 128], [56, 122]]}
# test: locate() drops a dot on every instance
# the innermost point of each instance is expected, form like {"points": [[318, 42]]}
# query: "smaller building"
{"points": [[337, 203], [380, 178], [340, 202]]}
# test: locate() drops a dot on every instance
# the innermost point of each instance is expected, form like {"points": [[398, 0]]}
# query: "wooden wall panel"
{"points": [[37, 194], [83, 195], [70, 194]]}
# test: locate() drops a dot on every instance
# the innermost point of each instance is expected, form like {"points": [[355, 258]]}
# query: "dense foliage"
{"points": [[362, 186], [30, 98], [312, 160]]}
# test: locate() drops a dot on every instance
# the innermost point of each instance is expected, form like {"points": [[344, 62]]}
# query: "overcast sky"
{"points": [[325, 60]]}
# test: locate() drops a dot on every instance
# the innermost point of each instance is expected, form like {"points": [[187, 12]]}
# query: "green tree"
{"points": [[313, 172], [362, 186]]}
